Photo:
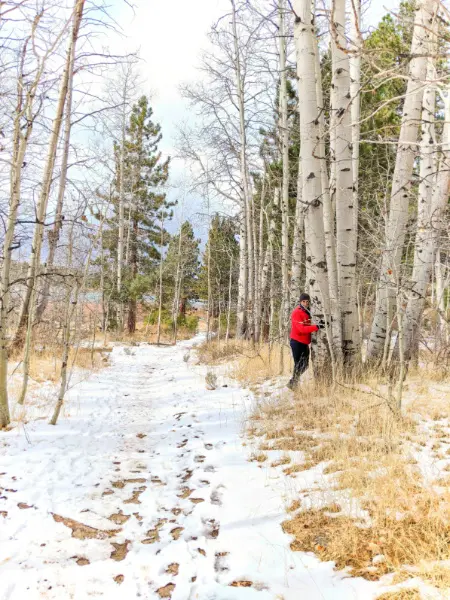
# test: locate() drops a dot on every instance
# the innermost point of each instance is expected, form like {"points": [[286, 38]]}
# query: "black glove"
{"points": [[321, 324]]}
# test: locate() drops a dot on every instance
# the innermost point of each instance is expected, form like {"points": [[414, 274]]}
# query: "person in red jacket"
{"points": [[301, 331]]}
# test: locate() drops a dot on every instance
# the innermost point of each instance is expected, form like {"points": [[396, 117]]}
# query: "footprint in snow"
{"points": [[216, 498], [220, 562], [212, 528]]}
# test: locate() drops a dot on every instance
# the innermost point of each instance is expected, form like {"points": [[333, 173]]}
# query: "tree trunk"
{"points": [[230, 287], [132, 304], [304, 32], [433, 196], [284, 136], [70, 309], [346, 232], [27, 351], [401, 184], [47, 179], [241, 326], [441, 287], [335, 328], [355, 93], [246, 287], [259, 265], [208, 266], [268, 257], [178, 282], [297, 243], [161, 262], [121, 232]]}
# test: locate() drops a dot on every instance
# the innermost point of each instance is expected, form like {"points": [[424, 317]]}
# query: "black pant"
{"points": [[300, 353]]}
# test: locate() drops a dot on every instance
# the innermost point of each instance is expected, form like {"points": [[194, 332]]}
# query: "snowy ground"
{"points": [[144, 490]]}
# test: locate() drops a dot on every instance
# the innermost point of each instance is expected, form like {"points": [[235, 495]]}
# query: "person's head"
{"points": [[305, 300]]}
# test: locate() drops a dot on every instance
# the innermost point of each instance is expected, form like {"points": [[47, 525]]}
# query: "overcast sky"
{"points": [[170, 35]]}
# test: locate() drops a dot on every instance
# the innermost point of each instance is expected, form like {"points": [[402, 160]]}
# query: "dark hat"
{"points": [[304, 296]]}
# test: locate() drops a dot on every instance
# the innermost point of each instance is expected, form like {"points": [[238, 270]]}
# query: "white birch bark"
{"points": [[284, 137], [297, 242], [230, 297], [304, 32], [328, 219], [355, 89], [400, 196], [268, 256], [210, 296], [178, 283], [259, 264], [441, 285], [121, 228], [251, 268], [160, 289], [241, 316], [346, 233], [246, 272], [433, 196]]}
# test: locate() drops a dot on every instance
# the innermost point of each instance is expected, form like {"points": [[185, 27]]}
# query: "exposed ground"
{"points": [[148, 488]]}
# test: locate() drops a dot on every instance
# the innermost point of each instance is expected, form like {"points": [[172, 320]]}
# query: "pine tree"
{"points": [[182, 266], [223, 248], [144, 174]]}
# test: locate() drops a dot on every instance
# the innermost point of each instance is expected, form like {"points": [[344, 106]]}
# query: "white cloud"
{"points": [[170, 35]]}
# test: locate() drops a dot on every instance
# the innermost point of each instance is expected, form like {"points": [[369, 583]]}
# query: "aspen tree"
{"points": [[401, 184], [346, 224], [304, 32]]}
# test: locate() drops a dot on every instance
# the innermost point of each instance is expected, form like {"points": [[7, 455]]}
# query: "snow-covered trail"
{"points": [[144, 490]]}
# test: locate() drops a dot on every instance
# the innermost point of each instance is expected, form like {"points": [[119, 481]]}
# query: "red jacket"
{"points": [[301, 326]]}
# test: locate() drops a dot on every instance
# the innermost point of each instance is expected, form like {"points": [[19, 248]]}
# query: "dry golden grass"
{"points": [[402, 594], [258, 457], [258, 363], [284, 460], [255, 362], [298, 468], [214, 351], [366, 453], [46, 365], [436, 575], [421, 534]]}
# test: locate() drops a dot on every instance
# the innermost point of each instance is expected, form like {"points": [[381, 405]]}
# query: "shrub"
{"points": [[152, 317], [190, 322], [211, 380]]}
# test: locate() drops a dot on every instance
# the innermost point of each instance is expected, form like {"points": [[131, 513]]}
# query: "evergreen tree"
{"points": [[222, 253], [144, 173], [182, 266]]}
